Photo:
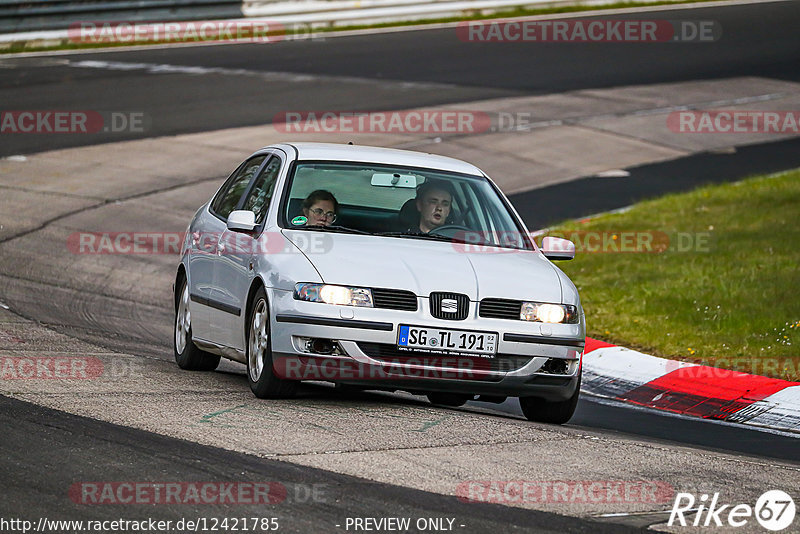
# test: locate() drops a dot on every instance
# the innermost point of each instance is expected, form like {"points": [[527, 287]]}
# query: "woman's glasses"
{"points": [[321, 213]]}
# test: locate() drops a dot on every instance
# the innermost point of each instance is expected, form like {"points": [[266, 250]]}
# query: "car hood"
{"points": [[423, 266]]}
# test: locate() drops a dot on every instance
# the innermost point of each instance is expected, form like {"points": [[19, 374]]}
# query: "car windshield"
{"points": [[399, 202]]}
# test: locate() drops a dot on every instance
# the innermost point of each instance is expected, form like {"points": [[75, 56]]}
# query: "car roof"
{"points": [[372, 154]]}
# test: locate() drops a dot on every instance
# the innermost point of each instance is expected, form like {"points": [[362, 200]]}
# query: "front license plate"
{"points": [[447, 341]]}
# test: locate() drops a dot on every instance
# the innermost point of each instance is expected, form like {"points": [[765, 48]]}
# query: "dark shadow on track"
{"points": [[587, 196]]}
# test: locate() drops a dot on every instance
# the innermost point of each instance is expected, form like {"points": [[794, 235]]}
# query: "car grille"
{"points": [[500, 309], [386, 353], [461, 306], [395, 299]]}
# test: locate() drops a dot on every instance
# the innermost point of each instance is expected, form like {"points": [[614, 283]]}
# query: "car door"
{"points": [[202, 248], [233, 270], [204, 295]]}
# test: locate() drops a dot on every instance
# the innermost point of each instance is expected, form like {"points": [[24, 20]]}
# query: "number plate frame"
{"points": [[490, 341]]}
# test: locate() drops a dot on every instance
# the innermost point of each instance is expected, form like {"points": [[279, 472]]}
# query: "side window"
{"points": [[227, 200], [259, 197]]}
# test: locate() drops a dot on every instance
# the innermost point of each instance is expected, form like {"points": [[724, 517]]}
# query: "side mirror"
{"points": [[556, 248], [241, 221]]}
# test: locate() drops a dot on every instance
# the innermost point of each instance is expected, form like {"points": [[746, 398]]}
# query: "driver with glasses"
{"points": [[320, 208]]}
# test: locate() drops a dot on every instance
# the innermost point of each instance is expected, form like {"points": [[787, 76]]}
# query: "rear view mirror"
{"points": [[556, 248], [408, 181], [241, 221]]}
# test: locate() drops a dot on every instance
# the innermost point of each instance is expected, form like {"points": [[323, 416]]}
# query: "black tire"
{"points": [[453, 400], [260, 374], [541, 411], [188, 357]]}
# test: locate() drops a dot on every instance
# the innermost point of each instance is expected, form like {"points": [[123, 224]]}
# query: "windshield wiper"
{"points": [[451, 239], [333, 228], [434, 237]]}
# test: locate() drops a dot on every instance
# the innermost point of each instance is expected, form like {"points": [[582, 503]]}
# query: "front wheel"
{"points": [[260, 374], [541, 411], [187, 354]]}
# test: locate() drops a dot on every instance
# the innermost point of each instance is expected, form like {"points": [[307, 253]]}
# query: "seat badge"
{"points": [[449, 306]]}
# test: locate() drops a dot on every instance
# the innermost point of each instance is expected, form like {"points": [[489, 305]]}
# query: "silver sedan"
{"points": [[376, 268]]}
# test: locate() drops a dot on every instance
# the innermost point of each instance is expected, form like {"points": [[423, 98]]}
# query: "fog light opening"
{"points": [[322, 346], [555, 366]]}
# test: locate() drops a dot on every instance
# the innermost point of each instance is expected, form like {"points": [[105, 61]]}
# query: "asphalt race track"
{"points": [[374, 454], [127, 453], [759, 40]]}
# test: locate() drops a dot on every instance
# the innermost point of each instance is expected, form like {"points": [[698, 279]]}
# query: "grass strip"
{"points": [[711, 276]]}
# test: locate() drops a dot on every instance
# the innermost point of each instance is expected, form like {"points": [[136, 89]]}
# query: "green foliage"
{"points": [[731, 300]]}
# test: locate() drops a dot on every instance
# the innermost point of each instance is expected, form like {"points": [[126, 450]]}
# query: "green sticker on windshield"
{"points": [[299, 220]]}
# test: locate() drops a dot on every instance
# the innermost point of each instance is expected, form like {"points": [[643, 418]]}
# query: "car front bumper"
{"points": [[529, 362]]}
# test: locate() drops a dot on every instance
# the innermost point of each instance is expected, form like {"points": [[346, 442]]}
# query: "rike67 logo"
{"points": [[774, 510]]}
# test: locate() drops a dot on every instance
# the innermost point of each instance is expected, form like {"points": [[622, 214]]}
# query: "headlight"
{"points": [[549, 313], [330, 294]]}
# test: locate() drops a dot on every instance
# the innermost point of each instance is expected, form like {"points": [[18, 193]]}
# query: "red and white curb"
{"points": [[690, 389]]}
